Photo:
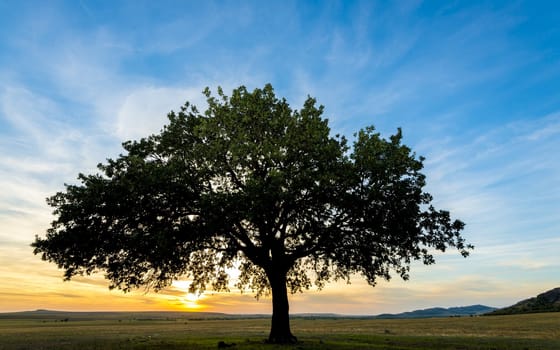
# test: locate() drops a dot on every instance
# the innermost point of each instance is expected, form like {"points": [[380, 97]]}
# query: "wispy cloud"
{"points": [[143, 112], [497, 172]]}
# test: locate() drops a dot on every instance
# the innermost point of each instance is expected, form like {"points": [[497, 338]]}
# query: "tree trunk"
{"points": [[280, 332]]}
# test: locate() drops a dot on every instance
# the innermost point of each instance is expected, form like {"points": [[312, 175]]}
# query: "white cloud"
{"points": [[541, 129], [490, 178], [27, 112], [144, 110]]}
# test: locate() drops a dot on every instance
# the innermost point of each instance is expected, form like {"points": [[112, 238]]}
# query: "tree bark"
{"points": [[280, 332]]}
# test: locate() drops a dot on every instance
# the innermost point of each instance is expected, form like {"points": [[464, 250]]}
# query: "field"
{"points": [[174, 331]]}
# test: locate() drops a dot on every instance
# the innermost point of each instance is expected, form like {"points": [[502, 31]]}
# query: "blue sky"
{"points": [[473, 84]]}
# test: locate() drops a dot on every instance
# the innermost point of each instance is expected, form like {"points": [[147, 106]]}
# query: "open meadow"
{"points": [[177, 331]]}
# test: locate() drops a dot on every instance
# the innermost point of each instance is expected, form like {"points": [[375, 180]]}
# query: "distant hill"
{"points": [[108, 315], [545, 302], [42, 314], [471, 310]]}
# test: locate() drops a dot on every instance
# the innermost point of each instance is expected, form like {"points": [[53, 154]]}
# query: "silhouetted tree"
{"points": [[250, 183]]}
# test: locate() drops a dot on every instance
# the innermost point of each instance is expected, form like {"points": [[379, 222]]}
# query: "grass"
{"points": [[516, 332]]}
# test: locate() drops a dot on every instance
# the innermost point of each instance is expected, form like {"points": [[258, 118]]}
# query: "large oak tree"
{"points": [[253, 184]]}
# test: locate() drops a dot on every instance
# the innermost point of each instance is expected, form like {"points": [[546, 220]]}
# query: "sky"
{"points": [[475, 86]]}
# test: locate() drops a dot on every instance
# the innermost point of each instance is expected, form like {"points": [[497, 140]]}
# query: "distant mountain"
{"points": [[545, 302], [105, 315], [316, 315], [471, 310], [171, 315]]}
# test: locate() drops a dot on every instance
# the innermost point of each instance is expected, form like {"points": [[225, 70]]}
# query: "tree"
{"points": [[253, 184]]}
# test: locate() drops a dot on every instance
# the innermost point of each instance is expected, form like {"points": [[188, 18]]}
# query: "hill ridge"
{"points": [[424, 313], [470, 310], [548, 301]]}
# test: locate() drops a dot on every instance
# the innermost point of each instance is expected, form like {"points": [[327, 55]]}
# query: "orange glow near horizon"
{"points": [[35, 284], [190, 301]]}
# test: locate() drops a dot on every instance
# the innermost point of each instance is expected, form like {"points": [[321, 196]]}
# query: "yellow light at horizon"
{"points": [[189, 300]]}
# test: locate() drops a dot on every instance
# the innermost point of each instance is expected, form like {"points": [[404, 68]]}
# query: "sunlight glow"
{"points": [[189, 300]]}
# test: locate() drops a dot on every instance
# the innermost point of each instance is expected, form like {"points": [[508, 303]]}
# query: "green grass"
{"points": [[519, 332]]}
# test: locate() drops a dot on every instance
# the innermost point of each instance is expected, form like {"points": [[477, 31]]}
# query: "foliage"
{"points": [[254, 184]]}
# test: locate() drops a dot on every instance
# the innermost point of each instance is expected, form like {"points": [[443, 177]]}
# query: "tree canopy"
{"points": [[254, 184]]}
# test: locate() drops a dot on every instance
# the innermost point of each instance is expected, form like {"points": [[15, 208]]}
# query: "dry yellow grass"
{"points": [[519, 332]]}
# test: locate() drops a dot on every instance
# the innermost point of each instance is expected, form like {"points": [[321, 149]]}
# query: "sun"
{"points": [[189, 300]]}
